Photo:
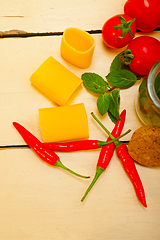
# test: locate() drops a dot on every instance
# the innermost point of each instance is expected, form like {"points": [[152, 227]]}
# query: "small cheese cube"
{"points": [[55, 81], [64, 123]]}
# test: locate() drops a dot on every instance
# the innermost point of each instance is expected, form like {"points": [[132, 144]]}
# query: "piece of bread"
{"points": [[144, 146]]}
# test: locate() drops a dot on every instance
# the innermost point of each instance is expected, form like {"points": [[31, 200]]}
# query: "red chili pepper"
{"points": [[129, 166], [77, 145], [45, 154], [131, 170], [106, 152]]}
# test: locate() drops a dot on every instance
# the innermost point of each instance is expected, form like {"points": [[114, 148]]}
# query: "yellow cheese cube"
{"points": [[64, 123], [55, 81]]}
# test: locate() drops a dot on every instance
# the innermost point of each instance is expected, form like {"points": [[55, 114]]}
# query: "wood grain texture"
{"points": [[53, 16], [41, 202]]}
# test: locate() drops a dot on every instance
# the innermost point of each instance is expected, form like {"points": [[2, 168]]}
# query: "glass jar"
{"points": [[148, 101]]}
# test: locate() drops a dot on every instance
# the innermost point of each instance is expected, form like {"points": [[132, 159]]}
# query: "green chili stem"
{"points": [[99, 171], [101, 143], [117, 142], [105, 129], [60, 164]]}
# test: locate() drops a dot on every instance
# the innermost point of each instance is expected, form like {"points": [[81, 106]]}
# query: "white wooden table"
{"points": [[40, 202]]}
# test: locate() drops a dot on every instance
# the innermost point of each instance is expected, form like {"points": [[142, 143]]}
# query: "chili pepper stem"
{"points": [[101, 143], [60, 164], [106, 152], [116, 142], [99, 171], [45, 154], [105, 129]]}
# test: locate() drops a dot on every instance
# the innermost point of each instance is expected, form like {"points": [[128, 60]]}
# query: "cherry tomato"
{"points": [[146, 12], [146, 52], [118, 31]]}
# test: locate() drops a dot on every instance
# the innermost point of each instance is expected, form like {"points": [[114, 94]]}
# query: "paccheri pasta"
{"points": [[64, 123], [55, 81]]}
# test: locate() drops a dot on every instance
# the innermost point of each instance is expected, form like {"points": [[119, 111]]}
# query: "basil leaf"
{"points": [[94, 83], [114, 103], [103, 103], [117, 64], [121, 78]]}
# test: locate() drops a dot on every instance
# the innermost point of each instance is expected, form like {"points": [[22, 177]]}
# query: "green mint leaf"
{"points": [[103, 103], [114, 103], [121, 78], [94, 83], [117, 64], [157, 85], [113, 119]]}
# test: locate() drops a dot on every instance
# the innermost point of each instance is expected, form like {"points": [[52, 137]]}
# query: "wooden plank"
{"points": [[53, 16], [20, 101], [42, 202]]}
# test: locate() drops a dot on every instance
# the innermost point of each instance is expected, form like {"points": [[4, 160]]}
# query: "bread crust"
{"points": [[144, 146]]}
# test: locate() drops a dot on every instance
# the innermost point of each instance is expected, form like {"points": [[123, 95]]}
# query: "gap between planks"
{"points": [[14, 147], [23, 34]]}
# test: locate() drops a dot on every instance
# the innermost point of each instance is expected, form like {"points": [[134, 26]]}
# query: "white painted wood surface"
{"points": [[41, 202], [51, 16]]}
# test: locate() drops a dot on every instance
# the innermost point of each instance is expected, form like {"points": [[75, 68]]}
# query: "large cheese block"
{"points": [[55, 81], [64, 123]]}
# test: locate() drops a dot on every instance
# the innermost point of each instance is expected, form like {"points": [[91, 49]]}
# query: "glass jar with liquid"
{"points": [[148, 101]]}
